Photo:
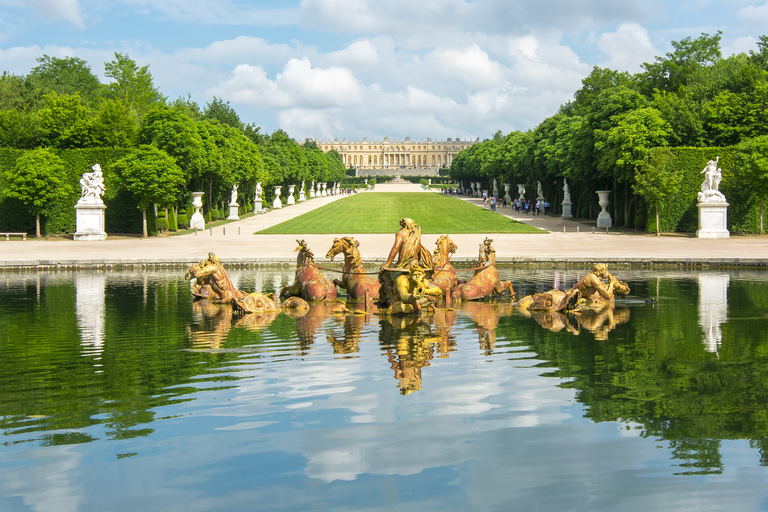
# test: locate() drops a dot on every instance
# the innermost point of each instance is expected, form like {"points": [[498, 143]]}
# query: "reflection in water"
{"points": [[713, 308], [303, 406], [89, 307]]}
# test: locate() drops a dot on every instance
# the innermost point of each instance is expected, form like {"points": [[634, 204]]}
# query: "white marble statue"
{"points": [[258, 191], [566, 192], [92, 185], [713, 175], [233, 197]]}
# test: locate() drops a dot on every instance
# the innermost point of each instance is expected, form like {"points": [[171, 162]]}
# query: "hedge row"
{"points": [[679, 212], [121, 215]]}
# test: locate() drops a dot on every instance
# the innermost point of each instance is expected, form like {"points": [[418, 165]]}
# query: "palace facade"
{"points": [[396, 154]]}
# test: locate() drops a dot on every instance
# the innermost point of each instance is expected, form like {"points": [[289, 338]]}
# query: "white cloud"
{"points": [[627, 48], [470, 65], [220, 12], [754, 15], [68, 10]]}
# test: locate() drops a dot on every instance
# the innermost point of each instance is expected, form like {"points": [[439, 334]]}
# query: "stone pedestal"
{"points": [[90, 222], [567, 210], [233, 215], [312, 190], [713, 220], [521, 191], [506, 193], [277, 203], [291, 199], [197, 221], [604, 219], [302, 195], [258, 205]]}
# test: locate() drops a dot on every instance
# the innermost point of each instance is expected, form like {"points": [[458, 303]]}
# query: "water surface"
{"points": [[118, 393]]}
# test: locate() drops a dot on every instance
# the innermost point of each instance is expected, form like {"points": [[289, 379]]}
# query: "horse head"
{"points": [[335, 249], [445, 247], [305, 255]]}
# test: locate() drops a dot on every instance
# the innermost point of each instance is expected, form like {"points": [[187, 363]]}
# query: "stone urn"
{"points": [[508, 197], [312, 190], [197, 221], [521, 191], [291, 199], [604, 219], [324, 185], [277, 203]]}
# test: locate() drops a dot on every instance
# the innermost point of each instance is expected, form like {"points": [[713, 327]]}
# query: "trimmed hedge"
{"points": [[121, 215], [679, 212]]}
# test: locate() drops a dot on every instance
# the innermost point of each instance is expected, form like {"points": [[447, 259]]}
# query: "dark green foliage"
{"points": [[215, 215], [162, 221], [182, 221], [640, 221], [120, 216], [172, 222]]}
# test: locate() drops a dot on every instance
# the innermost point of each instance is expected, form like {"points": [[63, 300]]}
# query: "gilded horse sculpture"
{"points": [[213, 282], [354, 278], [486, 280], [310, 284], [445, 275]]}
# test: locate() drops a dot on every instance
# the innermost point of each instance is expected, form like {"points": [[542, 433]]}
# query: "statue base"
{"points": [[567, 211], [604, 220], [257, 206], [90, 222], [713, 220], [277, 203], [302, 197], [197, 221], [290, 200], [233, 214]]}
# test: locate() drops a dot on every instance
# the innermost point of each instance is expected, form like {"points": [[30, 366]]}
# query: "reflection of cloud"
{"points": [[44, 482]]}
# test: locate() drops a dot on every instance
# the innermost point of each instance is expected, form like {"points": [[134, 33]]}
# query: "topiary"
{"points": [[215, 215], [190, 212], [162, 222], [182, 221]]}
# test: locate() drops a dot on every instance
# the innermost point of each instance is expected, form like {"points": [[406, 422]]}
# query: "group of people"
{"points": [[531, 207]]}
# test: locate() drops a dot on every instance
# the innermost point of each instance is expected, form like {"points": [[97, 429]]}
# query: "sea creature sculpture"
{"points": [[310, 284], [213, 282], [354, 279], [485, 282]]}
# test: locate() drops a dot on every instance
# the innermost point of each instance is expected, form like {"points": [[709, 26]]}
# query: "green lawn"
{"points": [[380, 212]]}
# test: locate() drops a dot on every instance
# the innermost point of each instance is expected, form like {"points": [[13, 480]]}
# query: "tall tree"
{"points": [[152, 177], [131, 84], [655, 179], [223, 113], [38, 178], [65, 76], [65, 122], [668, 73]]}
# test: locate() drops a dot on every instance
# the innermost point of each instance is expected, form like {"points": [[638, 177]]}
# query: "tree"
{"points": [[752, 161], [38, 178], [70, 75], [65, 122], [152, 177], [670, 72], [655, 179], [131, 84], [223, 113]]}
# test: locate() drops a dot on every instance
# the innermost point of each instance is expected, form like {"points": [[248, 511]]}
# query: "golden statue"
{"points": [[309, 284], [407, 247], [412, 293], [589, 290], [212, 282], [486, 280], [354, 279]]}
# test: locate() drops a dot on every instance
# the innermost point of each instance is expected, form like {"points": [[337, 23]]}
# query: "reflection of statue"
{"points": [[407, 247], [566, 192], [713, 175], [213, 282], [486, 279], [354, 278], [92, 186], [310, 284], [409, 346]]}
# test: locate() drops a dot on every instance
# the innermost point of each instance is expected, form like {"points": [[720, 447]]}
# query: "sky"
{"points": [[373, 68]]}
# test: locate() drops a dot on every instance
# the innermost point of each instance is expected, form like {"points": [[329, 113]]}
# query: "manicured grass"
{"points": [[381, 213]]}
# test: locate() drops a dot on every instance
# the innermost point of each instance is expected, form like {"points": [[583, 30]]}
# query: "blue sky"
{"points": [[373, 68]]}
